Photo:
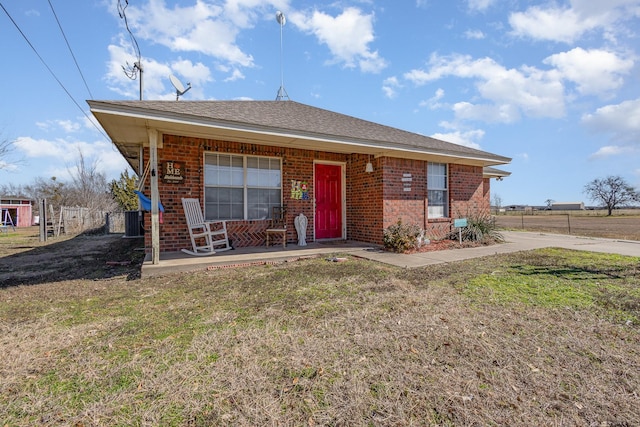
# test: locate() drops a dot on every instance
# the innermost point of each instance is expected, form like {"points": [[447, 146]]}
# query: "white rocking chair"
{"points": [[213, 233]]}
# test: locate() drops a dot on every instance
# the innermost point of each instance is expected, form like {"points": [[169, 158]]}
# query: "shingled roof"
{"points": [[291, 118]]}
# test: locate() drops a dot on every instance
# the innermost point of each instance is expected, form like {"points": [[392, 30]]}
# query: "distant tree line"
{"points": [[87, 187]]}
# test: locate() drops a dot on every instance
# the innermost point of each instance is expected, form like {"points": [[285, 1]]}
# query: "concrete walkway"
{"points": [[515, 241]]}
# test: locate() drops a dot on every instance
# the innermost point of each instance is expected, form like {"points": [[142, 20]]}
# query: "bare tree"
{"points": [[89, 188], [6, 149], [53, 190], [497, 202], [14, 190], [612, 192]]}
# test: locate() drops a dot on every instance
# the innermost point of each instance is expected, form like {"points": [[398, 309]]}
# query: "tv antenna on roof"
{"points": [[179, 87], [282, 92]]}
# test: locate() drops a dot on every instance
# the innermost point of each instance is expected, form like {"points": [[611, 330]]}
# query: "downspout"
{"points": [[155, 196]]}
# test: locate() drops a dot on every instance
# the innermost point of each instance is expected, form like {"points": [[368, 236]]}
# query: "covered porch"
{"points": [[175, 262], [359, 176]]}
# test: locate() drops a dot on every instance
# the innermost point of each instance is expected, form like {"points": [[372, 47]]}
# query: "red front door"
{"points": [[328, 193]]}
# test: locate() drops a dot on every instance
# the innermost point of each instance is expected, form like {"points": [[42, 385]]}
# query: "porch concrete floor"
{"points": [[174, 262]]}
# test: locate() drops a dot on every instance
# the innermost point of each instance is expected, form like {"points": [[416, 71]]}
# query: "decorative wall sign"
{"points": [[172, 172], [299, 190], [406, 181]]}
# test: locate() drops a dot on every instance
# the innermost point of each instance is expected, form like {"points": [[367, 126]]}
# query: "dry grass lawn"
{"points": [[547, 337]]}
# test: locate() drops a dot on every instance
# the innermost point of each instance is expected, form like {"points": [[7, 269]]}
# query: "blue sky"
{"points": [[553, 84]]}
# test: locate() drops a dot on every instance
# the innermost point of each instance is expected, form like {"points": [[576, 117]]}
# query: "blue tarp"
{"points": [[145, 202]]}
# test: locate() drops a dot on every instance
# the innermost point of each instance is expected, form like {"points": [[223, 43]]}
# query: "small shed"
{"points": [[567, 206], [16, 212]]}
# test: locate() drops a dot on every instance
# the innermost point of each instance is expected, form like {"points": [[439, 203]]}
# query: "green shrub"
{"points": [[401, 237], [480, 228]]}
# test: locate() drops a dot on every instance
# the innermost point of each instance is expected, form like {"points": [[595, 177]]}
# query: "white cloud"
{"points": [[567, 24], [480, 5], [557, 24], [41, 147], [510, 92], [504, 95], [594, 71], [433, 102], [196, 74], [213, 28], [390, 86], [621, 120], [489, 113], [116, 79], [235, 75], [187, 72], [67, 126], [593, 7], [62, 155], [205, 27], [612, 150], [8, 166], [474, 34], [466, 138], [156, 84], [347, 35]]}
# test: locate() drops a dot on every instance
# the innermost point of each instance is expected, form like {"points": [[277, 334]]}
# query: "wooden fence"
{"points": [[76, 220]]}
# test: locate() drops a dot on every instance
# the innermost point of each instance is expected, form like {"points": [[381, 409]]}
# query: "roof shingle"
{"points": [[299, 118]]}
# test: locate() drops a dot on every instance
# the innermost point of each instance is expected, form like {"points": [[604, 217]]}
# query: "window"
{"points": [[437, 196], [241, 187]]}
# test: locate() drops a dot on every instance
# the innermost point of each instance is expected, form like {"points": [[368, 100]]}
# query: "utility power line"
{"points": [[70, 50], [52, 73]]}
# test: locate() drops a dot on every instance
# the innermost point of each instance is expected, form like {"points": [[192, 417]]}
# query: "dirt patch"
{"points": [[25, 260], [613, 227]]}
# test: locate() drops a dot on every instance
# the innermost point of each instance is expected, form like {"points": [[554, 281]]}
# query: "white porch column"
{"points": [[155, 196]]}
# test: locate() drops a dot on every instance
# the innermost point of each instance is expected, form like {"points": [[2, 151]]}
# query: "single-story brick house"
{"points": [[351, 178]]}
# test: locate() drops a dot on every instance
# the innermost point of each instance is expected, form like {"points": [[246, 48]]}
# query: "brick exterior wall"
{"points": [[467, 194], [365, 215], [396, 189], [404, 192]]}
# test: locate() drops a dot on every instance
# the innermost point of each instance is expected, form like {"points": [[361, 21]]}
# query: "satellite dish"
{"points": [[281, 18], [179, 87]]}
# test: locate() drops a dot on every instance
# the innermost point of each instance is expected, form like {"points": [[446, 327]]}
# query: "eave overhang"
{"points": [[127, 127]]}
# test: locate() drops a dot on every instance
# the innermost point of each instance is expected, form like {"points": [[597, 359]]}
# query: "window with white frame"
{"points": [[241, 187], [437, 194]]}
